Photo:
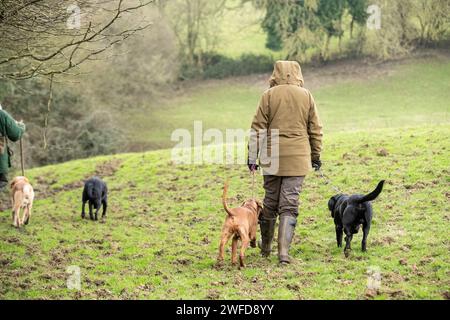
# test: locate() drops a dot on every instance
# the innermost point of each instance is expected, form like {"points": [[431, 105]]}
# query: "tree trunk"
{"points": [[324, 54], [351, 28]]}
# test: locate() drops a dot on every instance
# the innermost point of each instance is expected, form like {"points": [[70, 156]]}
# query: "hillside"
{"points": [[351, 95], [112, 83], [382, 121], [161, 235]]}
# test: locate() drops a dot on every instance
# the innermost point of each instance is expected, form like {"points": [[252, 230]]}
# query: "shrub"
{"points": [[75, 129], [217, 66]]}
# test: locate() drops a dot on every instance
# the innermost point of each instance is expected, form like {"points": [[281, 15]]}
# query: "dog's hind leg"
{"points": [[253, 238], [83, 209], [14, 217], [16, 220], [339, 233], [348, 240], [226, 234], [14, 210], [245, 242], [234, 246], [105, 205], [27, 220], [366, 228], [91, 215], [244, 246], [96, 212], [24, 215]]}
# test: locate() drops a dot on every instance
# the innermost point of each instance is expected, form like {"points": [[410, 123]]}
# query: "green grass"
{"points": [[161, 235], [241, 32], [229, 106], [414, 93]]}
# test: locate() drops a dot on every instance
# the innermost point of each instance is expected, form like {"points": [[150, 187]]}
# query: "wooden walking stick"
{"points": [[21, 158]]}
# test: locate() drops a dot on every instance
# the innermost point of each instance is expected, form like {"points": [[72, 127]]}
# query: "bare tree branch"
{"points": [[36, 41]]}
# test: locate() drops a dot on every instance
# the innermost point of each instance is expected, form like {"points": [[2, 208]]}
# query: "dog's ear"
{"points": [[13, 183], [332, 203]]}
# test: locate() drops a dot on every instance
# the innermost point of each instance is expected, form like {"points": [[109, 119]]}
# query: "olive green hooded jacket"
{"points": [[291, 109], [13, 131]]}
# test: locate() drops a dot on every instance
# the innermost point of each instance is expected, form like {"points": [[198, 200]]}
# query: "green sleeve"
{"points": [[10, 128]]}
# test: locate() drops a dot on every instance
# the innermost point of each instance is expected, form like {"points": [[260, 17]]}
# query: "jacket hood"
{"points": [[286, 72]]}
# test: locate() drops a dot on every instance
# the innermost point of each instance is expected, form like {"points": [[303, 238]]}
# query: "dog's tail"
{"points": [[374, 194], [224, 199]]}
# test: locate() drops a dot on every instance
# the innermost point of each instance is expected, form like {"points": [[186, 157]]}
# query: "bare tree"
{"points": [[433, 17], [194, 23], [48, 37]]}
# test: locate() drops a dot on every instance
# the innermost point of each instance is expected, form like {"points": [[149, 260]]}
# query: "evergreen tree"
{"points": [[358, 11], [330, 16]]}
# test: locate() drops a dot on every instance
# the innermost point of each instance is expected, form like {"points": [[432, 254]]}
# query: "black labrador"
{"points": [[96, 193], [350, 212]]}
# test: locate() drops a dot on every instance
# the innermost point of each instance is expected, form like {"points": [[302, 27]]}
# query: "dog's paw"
{"points": [[347, 252]]}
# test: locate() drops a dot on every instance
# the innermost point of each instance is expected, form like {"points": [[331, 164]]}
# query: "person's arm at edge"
{"points": [[314, 131], [14, 130]]}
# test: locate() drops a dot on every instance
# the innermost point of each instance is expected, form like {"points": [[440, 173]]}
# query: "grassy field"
{"points": [[409, 93], [161, 235], [241, 32]]}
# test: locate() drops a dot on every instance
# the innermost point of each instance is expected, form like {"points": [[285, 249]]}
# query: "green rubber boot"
{"points": [[267, 231], [285, 235]]}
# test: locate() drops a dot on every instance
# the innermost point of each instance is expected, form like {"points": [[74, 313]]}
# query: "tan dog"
{"points": [[241, 223], [22, 196]]}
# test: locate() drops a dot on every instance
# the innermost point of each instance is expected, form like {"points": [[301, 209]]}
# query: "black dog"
{"points": [[96, 192], [349, 212]]}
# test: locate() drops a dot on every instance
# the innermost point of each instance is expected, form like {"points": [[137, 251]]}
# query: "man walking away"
{"points": [[290, 109]]}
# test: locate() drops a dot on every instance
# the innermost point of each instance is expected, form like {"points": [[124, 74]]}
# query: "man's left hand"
{"points": [[316, 164]]}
